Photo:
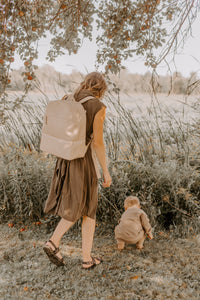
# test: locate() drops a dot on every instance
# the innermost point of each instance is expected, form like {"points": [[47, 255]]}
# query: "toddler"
{"points": [[133, 225]]}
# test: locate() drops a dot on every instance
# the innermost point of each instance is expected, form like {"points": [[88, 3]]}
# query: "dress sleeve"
{"points": [[97, 105]]}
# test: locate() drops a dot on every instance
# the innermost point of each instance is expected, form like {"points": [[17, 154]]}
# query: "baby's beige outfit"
{"points": [[134, 223]]}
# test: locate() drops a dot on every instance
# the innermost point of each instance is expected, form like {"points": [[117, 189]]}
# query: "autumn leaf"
{"points": [[10, 225], [21, 13], [169, 17], [1, 61], [166, 198], [22, 229], [153, 66], [181, 191], [25, 288], [188, 196], [30, 77], [135, 277]]}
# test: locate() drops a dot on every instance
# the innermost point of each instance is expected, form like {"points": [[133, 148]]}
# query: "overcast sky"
{"points": [[187, 60]]}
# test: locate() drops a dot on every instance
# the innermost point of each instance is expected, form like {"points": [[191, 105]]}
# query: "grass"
{"points": [[167, 267], [158, 161]]}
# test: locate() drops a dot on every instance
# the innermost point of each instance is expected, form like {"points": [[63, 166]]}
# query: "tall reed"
{"points": [[156, 159]]}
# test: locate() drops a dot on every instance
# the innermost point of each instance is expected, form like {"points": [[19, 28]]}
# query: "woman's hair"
{"points": [[131, 200], [95, 83]]}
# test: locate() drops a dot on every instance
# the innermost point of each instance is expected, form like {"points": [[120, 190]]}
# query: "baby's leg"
{"points": [[120, 244], [140, 242]]}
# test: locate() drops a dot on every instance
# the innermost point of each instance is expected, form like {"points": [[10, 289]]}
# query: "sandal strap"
{"points": [[98, 258], [89, 262], [56, 250]]}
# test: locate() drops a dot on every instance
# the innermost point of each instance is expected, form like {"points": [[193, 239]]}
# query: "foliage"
{"points": [[25, 180], [124, 27], [169, 193], [24, 22]]}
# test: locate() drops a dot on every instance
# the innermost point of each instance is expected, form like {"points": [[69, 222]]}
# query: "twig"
{"points": [[180, 210], [111, 204]]}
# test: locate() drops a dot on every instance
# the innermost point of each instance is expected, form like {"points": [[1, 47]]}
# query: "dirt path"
{"points": [[167, 268]]}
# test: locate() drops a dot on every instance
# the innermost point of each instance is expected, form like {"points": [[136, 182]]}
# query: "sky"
{"points": [[187, 60]]}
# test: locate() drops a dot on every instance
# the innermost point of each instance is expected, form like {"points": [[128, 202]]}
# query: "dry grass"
{"points": [[167, 267], [157, 161]]}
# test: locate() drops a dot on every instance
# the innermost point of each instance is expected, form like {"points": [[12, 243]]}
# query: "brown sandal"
{"points": [[52, 254], [92, 262]]}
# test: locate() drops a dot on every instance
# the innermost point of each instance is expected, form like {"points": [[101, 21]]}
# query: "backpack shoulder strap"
{"points": [[68, 97], [71, 98], [86, 99]]}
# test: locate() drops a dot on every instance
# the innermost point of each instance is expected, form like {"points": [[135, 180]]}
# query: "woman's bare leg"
{"points": [[88, 228], [62, 227]]}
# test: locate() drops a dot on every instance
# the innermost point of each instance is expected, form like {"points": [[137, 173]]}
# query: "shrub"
{"points": [[25, 180], [166, 192]]}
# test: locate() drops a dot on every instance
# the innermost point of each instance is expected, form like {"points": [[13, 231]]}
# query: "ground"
{"points": [[167, 268]]}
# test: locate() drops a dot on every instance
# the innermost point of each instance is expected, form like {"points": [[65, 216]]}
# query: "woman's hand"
{"points": [[107, 179]]}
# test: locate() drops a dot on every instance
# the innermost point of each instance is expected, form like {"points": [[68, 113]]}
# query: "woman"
{"points": [[73, 192]]}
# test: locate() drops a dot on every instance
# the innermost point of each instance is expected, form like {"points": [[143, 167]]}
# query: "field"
{"points": [[153, 152], [152, 146], [167, 267]]}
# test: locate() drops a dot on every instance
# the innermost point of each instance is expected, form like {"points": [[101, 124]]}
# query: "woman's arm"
{"points": [[98, 143]]}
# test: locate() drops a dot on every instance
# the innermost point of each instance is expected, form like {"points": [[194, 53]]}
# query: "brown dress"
{"points": [[73, 191]]}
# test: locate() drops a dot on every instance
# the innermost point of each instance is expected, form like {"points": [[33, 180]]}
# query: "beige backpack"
{"points": [[64, 128]]}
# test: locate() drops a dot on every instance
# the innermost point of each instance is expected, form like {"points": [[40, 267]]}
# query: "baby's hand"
{"points": [[150, 236]]}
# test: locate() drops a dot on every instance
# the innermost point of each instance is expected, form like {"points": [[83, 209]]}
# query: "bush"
{"points": [[25, 181], [169, 194]]}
